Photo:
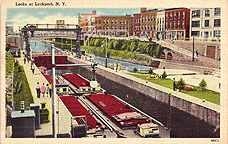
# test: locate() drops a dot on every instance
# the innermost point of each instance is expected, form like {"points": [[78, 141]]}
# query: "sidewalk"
{"points": [[64, 114]]}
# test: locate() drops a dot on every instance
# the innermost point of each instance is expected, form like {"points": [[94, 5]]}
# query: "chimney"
{"points": [[142, 9], [94, 12]]}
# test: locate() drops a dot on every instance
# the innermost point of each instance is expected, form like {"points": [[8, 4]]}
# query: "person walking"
{"points": [[174, 84], [50, 89], [33, 68], [43, 89], [25, 60], [47, 89], [38, 90]]}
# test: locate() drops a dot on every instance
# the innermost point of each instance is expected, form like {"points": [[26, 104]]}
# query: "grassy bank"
{"points": [[9, 63], [99, 51], [21, 89], [208, 95]]}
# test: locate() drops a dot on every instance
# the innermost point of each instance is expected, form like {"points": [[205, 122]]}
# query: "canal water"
{"points": [[38, 46], [183, 125]]}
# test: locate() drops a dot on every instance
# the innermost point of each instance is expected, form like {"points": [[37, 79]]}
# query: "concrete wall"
{"points": [[205, 114]]}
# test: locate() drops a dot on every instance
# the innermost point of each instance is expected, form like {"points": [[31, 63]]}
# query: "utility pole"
{"points": [[53, 90], [193, 51]]}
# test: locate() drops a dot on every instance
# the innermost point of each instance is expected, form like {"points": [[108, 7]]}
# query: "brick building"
{"points": [[148, 22], [177, 23], [205, 24], [87, 22], [137, 24], [117, 26]]}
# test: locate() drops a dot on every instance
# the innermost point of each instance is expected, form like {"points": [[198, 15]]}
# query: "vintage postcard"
{"points": [[96, 71]]}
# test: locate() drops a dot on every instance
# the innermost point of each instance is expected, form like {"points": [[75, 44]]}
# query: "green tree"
{"points": [[135, 70], [151, 71], [180, 84], [203, 84], [164, 75], [8, 47]]}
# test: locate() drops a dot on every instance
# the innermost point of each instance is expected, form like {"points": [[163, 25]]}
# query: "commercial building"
{"points": [[177, 23], [148, 22], [205, 24], [9, 28], [87, 22], [160, 24], [137, 24], [117, 26]]}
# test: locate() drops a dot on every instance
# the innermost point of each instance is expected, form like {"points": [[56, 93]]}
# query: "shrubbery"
{"points": [[180, 84]]}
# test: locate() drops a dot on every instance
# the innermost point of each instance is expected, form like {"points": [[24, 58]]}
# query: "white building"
{"points": [[205, 24], [9, 28], [160, 24]]}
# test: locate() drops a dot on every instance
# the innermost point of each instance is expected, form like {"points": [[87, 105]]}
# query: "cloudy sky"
{"points": [[23, 16]]}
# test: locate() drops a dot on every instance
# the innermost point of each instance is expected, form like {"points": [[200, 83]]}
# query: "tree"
{"points": [[180, 84], [203, 84], [164, 75], [135, 70], [150, 71]]}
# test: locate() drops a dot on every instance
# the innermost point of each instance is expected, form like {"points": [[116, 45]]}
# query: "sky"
{"points": [[23, 16]]}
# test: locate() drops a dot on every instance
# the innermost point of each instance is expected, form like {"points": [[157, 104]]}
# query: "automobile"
{"points": [[147, 130], [152, 77]]}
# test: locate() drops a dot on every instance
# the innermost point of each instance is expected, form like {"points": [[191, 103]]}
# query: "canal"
{"points": [[183, 125]]}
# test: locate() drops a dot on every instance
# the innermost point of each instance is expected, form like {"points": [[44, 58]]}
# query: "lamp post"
{"points": [[106, 53]]}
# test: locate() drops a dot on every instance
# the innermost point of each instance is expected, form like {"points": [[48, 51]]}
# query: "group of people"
{"points": [[43, 89], [32, 64]]}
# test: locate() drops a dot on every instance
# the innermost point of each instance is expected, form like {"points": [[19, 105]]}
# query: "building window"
{"points": [[217, 11], [174, 16], [120, 27], [112, 27], [104, 27], [207, 12], [196, 33], [152, 18], [158, 21], [174, 25], [196, 23], [163, 20], [170, 25], [166, 16], [196, 13], [121, 21], [166, 26], [116, 21], [170, 16], [178, 24], [182, 24], [116, 28], [217, 33], [107, 28], [143, 19], [146, 19], [124, 21], [179, 15], [207, 23], [155, 18], [152, 27], [104, 21], [183, 15], [216, 22], [107, 21]]}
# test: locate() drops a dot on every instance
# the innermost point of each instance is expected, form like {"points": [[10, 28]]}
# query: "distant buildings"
{"points": [[87, 22], [206, 24], [177, 23], [117, 26], [9, 28], [203, 24]]}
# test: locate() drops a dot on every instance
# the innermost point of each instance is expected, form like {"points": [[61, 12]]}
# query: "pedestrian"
{"points": [[47, 89], [174, 84], [31, 64], [24, 60], [197, 53], [219, 85], [43, 89], [33, 68], [38, 90], [50, 89]]}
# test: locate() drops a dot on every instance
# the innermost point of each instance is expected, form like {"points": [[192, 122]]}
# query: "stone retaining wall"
{"points": [[209, 116]]}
